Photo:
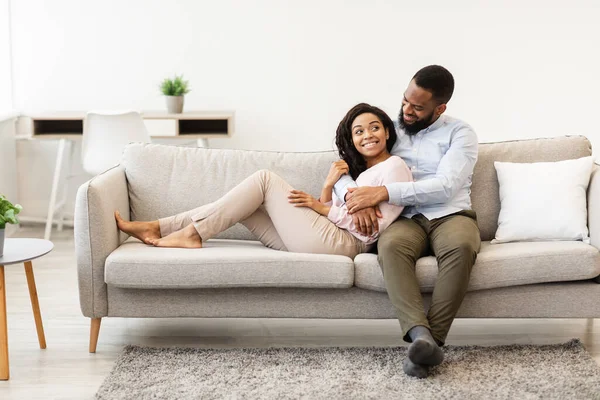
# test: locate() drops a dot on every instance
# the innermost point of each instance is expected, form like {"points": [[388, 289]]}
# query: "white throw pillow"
{"points": [[543, 201]]}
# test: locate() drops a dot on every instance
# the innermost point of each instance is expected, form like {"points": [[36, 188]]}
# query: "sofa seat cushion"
{"points": [[223, 264], [500, 265]]}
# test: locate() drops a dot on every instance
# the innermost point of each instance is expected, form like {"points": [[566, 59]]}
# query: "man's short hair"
{"points": [[437, 80]]}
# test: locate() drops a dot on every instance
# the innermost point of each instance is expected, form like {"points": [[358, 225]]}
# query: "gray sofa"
{"points": [[236, 276]]}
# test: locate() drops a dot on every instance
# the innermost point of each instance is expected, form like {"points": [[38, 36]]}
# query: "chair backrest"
{"points": [[105, 135]]}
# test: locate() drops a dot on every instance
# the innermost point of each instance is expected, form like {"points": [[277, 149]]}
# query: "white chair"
{"points": [[105, 134]]}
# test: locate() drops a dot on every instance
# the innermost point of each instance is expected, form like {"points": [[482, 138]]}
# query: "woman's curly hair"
{"points": [[343, 137]]}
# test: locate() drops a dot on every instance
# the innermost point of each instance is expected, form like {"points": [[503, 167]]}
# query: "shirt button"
{"points": [[413, 168], [414, 150]]}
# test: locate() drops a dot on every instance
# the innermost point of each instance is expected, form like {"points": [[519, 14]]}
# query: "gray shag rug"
{"points": [[562, 371]]}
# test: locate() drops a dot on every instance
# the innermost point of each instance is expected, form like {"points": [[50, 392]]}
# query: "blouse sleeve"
{"points": [[395, 171]]}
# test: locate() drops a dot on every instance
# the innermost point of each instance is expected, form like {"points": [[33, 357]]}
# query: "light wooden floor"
{"points": [[65, 370]]}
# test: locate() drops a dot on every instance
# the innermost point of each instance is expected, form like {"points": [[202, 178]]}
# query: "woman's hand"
{"points": [[366, 221], [301, 199], [338, 168]]}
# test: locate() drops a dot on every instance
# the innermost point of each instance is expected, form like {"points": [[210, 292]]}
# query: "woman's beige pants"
{"points": [[260, 203]]}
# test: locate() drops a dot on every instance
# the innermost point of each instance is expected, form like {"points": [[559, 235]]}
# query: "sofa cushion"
{"points": [[543, 201], [224, 264], [186, 178], [485, 198], [500, 265]]}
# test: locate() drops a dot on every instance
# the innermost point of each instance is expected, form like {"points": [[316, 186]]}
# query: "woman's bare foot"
{"points": [[144, 231], [187, 238]]}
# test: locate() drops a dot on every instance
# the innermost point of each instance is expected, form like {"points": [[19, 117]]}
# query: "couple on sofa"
{"points": [[408, 193]]}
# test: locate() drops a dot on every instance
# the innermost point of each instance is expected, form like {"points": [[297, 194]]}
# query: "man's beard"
{"points": [[416, 126]]}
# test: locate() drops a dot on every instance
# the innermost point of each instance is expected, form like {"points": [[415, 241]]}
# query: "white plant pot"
{"points": [[1, 242], [174, 104]]}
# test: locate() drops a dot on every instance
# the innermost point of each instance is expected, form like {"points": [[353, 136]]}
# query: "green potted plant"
{"points": [[8, 215], [174, 90]]}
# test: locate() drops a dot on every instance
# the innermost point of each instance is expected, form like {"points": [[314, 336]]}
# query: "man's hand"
{"points": [[366, 220], [301, 199], [365, 196]]}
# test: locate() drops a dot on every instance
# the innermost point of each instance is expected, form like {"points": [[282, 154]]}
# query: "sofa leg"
{"points": [[94, 332]]}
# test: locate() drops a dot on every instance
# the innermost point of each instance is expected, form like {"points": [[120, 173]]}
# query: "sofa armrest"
{"points": [[593, 198], [97, 235]]}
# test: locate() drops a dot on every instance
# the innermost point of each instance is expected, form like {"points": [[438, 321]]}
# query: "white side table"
{"points": [[20, 251]]}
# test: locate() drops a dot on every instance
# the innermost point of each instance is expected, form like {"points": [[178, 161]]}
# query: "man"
{"points": [[441, 152]]}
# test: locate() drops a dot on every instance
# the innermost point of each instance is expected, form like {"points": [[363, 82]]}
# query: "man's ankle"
{"points": [[420, 332]]}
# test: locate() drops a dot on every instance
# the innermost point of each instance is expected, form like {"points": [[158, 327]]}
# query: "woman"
{"points": [[290, 220]]}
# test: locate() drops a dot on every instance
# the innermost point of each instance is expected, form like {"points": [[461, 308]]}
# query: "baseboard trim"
{"points": [[42, 220]]}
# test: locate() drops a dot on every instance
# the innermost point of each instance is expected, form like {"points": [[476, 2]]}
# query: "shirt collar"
{"points": [[436, 125]]}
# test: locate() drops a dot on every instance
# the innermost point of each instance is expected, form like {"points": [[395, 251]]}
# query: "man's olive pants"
{"points": [[455, 241]]}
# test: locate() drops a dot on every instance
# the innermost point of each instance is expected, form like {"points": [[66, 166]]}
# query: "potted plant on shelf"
{"points": [[8, 215], [174, 90]]}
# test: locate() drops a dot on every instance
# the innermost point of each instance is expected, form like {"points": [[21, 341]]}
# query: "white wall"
{"points": [[290, 70], [5, 78], [8, 163]]}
